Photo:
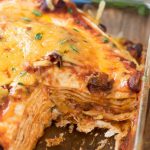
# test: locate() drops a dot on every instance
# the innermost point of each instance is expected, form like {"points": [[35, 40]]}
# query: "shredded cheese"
{"points": [[50, 4], [100, 10]]}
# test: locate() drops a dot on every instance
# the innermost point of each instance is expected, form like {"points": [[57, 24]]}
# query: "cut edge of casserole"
{"points": [[56, 64]]}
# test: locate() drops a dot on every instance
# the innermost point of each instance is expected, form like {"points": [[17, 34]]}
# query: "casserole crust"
{"points": [[56, 64]]}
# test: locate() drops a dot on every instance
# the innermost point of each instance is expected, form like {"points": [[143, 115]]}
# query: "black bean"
{"points": [[134, 49], [61, 4], [55, 58], [134, 82], [99, 82], [102, 27], [44, 6], [138, 47], [1, 148], [128, 43]]}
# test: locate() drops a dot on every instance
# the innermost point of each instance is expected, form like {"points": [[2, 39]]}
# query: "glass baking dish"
{"points": [[90, 141]]}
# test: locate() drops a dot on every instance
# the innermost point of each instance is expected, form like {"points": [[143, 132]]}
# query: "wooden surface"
{"points": [[136, 28], [127, 23]]}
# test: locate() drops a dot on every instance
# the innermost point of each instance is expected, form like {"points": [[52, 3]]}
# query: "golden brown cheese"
{"points": [[74, 43]]}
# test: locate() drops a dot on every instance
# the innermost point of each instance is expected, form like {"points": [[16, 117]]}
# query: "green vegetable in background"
{"points": [[141, 7]]}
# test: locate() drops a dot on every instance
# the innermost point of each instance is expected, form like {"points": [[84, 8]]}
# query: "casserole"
{"points": [[57, 65]]}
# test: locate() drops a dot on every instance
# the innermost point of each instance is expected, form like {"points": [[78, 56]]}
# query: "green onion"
{"points": [[74, 48], [26, 19], [38, 36], [37, 13], [20, 83], [105, 40], [70, 10], [63, 41], [23, 73], [13, 69], [75, 29]]}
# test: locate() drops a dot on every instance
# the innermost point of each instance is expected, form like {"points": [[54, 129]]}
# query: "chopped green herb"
{"points": [[13, 69], [38, 36], [76, 30], [74, 48], [85, 41], [20, 83], [26, 19], [23, 73], [70, 10], [37, 13], [105, 40], [63, 41]]}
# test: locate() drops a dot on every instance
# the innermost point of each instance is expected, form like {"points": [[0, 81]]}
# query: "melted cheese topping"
{"points": [[30, 34], [18, 43]]}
